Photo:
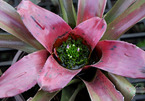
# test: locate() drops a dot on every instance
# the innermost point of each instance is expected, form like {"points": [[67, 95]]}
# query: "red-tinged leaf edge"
{"points": [[125, 21], [119, 7], [123, 85]]}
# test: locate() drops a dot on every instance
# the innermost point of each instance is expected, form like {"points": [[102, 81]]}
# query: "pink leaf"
{"points": [[91, 30], [44, 25], [22, 75], [101, 89], [54, 77], [90, 8], [121, 58]]}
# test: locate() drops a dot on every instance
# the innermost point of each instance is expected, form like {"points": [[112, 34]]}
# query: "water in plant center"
{"points": [[73, 54]]}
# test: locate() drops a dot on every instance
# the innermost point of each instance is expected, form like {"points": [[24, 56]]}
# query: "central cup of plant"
{"points": [[73, 53]]}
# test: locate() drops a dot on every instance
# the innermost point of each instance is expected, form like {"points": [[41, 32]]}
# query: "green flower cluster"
{"points": [[73, 54]]}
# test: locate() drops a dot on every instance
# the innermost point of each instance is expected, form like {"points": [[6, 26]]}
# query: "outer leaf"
{"points": [[69, 93], [11, 22], [54, 77], [43, 96], [22, 75], [68, 11], [45, 26], [121, 58], [119, 7], [55, 2], [123, 85], [90, 8], [101, 89], [35, 1], [91, 30], [9, 41], [126, 20]]}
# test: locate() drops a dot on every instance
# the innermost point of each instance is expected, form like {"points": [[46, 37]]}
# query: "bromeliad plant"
{"points": [[69, 54]]}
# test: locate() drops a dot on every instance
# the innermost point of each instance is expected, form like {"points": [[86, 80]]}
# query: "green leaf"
{"points": [[73, 82], [9, 41], [55, 2], [69, 93], [43, 96], [119, 7], [127, 19], [141, 43], [68, 12], [11, 22], [1, 73], [123, 85], [36, 1]]}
